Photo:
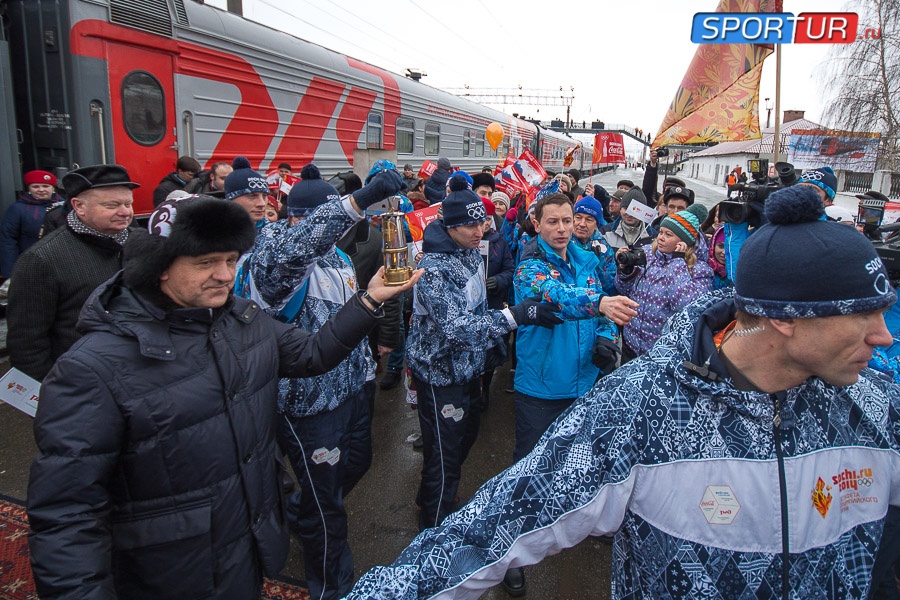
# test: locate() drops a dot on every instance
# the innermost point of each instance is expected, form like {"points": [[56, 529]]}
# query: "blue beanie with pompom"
{"points": [[462, 206], [310, 192], [799, 266], [244, 180]]}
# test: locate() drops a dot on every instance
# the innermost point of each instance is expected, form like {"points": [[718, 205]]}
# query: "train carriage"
{"points": [[141, 82]]}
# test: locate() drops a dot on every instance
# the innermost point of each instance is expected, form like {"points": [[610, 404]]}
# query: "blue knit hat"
{"points": [[244, 180], [310, 192], [462, 206], [799, 266], [590, 207], [822, 177]]}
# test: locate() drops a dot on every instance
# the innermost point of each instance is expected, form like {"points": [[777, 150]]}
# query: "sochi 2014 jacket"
{"points": [[711, 492]]}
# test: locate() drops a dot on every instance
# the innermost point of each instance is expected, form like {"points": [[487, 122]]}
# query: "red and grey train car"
{"points": [[140, 82]]}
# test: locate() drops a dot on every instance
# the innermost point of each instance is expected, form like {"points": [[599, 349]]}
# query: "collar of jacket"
{"points": [[437, 240], [116, 308], [578, 259]]}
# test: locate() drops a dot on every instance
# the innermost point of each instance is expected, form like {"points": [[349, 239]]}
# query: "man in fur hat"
{"points": [[157, 473]]}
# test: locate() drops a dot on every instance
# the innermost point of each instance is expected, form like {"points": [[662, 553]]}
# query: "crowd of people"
{"points": [[657, 379]]}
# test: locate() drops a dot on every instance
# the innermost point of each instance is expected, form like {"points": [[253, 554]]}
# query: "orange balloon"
{"points": [[494, 135]]}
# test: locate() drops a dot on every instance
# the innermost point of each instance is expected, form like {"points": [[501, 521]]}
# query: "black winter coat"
{"points": [[167, 185], [49, 284], [156, 475]]}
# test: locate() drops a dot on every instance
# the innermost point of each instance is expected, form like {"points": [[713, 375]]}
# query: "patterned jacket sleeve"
{"points": [[576, 482], [283, 254], [533, 278], [446, 306]]}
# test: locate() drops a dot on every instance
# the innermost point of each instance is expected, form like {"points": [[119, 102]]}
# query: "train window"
{"points": [[432, 139], [479, 146], [374, 127], [143, 108], [406, 135], [466, 145]]}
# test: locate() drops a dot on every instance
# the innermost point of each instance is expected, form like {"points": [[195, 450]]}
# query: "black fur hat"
{"points": [[479, 179], [189, 226]]}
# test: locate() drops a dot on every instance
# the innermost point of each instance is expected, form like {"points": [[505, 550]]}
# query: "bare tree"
{"points": [[863, 82]]}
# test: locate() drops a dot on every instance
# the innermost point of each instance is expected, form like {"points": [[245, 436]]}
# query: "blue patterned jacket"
{"points": [[451, 328], [688, 473], [555, 363], [282, 258]]}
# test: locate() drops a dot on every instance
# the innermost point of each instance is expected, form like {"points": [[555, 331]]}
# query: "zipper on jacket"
{"points": [[782, 487]]}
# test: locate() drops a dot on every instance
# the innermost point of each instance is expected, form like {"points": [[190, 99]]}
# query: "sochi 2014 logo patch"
{"points": [[719, 505], [821, 497], [852, 487]]}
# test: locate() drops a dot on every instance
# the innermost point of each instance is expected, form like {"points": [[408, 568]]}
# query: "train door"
{"points": [[142, 99]]}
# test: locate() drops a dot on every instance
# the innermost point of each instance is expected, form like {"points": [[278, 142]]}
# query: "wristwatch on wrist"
{"points": [[370, 302]]}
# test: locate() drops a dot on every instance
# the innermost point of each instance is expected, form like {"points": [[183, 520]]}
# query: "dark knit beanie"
{"points": [[310, 192], [480, 179], [462, 206], [590, 207], [799, 266], [244, 180], [686, 223], [822, 177], [189, 226], [444, 163]]}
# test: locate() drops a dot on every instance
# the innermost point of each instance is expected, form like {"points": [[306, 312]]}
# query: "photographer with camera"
{"points": [[670, 278]]}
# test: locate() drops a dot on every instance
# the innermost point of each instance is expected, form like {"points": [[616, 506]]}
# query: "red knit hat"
{"points": [[39, 177], [489, 207]]}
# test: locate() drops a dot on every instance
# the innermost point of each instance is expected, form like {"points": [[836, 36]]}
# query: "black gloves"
{"points": [[605, 355], [491, 284], [382, 185], [532, 311]]}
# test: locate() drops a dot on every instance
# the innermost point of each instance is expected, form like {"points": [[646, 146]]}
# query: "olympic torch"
{"points": [[396, 257]]}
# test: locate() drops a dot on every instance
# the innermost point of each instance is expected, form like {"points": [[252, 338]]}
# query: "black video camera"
{"points": [[662, 152], [752, 196], [631, 258]]}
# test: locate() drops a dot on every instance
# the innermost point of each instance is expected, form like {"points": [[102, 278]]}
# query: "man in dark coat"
{"points": [[436, 186], [157, 472], [53, 278], [185, 170]]}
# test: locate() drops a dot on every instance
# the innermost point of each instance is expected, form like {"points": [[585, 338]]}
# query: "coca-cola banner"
{"points": [[609, 148]]}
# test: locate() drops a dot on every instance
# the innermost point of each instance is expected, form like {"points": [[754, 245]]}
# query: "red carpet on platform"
{"points": [[15, 569]]}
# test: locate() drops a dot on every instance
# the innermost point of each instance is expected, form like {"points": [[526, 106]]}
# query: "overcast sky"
{"points": [[624, 60]]}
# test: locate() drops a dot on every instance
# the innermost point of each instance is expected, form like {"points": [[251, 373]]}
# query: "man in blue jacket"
{"points": [[558, 365]]}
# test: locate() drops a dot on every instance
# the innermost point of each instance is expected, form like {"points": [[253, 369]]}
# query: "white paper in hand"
{"points": [[641, 211], [21, 391]]}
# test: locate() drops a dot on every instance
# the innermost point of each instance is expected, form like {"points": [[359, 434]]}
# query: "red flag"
{"points": [[718, 100], [608, 148], [428, 168], [530, 169], [418, 220]]}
